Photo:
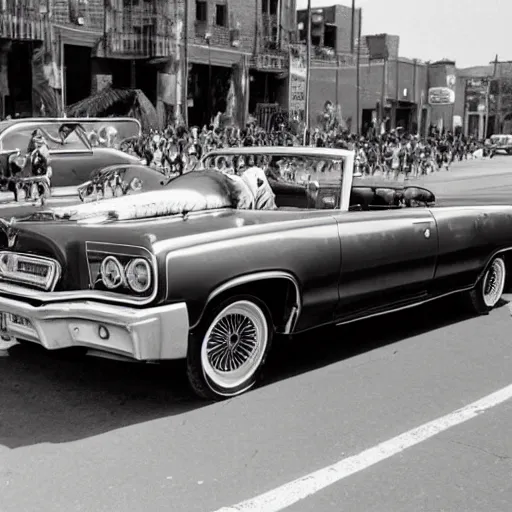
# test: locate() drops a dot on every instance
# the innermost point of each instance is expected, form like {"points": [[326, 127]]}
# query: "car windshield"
{"points": [[296, 169], [20, 137]]}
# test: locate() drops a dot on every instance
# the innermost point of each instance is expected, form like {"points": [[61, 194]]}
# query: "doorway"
{"points": [[77, 69], [19, 72]]}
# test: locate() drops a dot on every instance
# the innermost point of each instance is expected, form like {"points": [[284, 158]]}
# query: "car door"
{"points": [[72, 159], [388, 259]]}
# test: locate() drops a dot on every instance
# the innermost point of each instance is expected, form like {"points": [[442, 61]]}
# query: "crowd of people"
{"points": [[394, 154]]}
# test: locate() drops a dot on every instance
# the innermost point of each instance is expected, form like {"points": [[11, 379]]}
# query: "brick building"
{"points": [[484, 99], [237, 52], [27, 71], [399, 86]]}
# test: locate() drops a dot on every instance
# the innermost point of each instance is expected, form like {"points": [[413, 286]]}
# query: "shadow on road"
{"points": [[45, 398], [48, 399], [326, 346]]}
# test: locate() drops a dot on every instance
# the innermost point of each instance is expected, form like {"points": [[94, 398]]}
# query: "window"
{"points": [[269, 7], [330, 36], [201, 10], [221, 15]]}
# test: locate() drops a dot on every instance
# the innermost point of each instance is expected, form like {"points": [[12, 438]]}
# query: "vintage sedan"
{"points": [[74, 148], [110, 181], [216, 266]]}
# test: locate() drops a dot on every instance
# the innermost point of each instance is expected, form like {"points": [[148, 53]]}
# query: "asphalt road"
{"points": [[98, 436]]}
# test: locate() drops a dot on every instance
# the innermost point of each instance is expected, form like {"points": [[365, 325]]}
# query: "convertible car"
{"points": [[217, 264], [39, 154]]}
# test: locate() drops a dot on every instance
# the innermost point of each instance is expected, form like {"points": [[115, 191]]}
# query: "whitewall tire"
{"points": [[489, 290], [228, 351]]}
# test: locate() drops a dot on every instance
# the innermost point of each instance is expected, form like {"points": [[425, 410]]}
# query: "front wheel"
{"points": [[227, 352], [488, 291]]}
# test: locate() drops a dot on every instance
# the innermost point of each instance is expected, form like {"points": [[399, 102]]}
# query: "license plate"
{"points": [[7, 319]]}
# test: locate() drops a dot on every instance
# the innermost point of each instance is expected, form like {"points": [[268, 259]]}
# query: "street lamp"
{"points": [[208, 38]]}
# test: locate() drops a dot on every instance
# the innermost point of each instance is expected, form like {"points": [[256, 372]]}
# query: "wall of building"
{"points": [[401, 77], [238, 11], [343, 20], [92, 10]]}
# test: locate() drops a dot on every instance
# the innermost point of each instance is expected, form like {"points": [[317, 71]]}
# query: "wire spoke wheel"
{"points": [[494, 283], [234, 345]]}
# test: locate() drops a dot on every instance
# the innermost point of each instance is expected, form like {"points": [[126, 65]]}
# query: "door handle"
{"points": [[423, 222]]}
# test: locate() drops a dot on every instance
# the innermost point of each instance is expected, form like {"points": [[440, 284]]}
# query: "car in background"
{"points": [[76, 147], [214, 266], [502, 143], [111, 181]]}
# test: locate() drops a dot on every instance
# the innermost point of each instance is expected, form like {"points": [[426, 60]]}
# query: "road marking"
{"points": [[292, 492]]}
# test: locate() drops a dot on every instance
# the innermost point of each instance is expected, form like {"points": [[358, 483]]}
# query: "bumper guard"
{"points": [[143, 334]]}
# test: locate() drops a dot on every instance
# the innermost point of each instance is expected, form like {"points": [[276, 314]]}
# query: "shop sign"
{"points": [[441, 96], [297, 92]]}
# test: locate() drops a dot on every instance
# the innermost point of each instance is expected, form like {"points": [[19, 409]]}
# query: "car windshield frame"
{"points": [[125, 127], [74, 141], [344, 158]]}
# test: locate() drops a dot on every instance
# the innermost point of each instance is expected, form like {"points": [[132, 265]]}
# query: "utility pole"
{"points": [[308, 73], [184, 99], [353, 26], [497, 76], [358, 75]]}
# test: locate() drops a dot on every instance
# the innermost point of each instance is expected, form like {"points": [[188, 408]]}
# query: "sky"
{"points": [[470, 32]]}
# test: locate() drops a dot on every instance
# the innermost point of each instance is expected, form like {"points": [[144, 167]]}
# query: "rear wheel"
{"points": [[488, 291], [227, 352]]}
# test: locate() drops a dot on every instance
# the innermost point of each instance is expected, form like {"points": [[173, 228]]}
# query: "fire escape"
{"points": [[140, 29], [272, 50], [23, 20]]}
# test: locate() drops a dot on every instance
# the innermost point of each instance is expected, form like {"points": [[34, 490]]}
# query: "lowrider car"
{"points": [[73, 148], [110, 181], [214, 267]]}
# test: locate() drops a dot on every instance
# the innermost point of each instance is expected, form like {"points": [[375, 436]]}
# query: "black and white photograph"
{"points": [[255, 256]]}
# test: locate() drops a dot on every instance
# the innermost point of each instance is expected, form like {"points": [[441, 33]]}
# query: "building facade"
{"points": [[192, 59], [389, 87], [198, 58]]}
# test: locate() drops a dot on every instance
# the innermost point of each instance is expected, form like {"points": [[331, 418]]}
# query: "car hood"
{"points": [[65, 240]]}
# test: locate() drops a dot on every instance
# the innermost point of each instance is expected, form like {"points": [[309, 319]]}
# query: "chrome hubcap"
{"points": [[234, 344], [494, 282], [231, 342]]}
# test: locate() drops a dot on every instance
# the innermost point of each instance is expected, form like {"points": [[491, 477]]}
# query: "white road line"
{"points": [[292, 492]]}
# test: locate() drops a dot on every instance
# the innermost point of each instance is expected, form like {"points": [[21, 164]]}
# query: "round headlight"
{"points": [[112, 272], [138, 275]]}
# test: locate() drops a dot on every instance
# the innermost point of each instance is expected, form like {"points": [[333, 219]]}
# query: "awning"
{"points": [[203, 54], [78, 36]]}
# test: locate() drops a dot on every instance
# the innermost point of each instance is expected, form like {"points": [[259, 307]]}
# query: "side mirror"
{"points": [[414, 196]]}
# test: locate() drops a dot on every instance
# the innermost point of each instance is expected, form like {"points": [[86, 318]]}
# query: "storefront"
{"points": [[477, 121]]}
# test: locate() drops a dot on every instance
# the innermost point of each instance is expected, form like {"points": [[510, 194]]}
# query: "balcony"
{"points": [[24, 25], [132, 45], [139, 32], [270, 56], [325, 56]]}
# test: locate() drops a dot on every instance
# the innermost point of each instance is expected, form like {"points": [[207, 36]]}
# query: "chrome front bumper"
{"points": [[142, 334]]}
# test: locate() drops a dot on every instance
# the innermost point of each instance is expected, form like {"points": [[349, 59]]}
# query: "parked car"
{"points": [[73, 148], [502, 143], [196, 271], [111, 181]]}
